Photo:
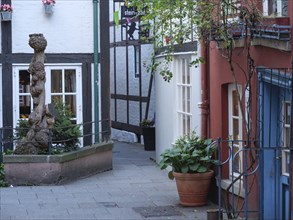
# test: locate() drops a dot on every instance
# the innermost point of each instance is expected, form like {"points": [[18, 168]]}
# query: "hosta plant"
{"points": [[190, 154]]}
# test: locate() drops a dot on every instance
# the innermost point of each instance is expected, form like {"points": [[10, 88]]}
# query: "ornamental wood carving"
{"points": [[40, 120]]}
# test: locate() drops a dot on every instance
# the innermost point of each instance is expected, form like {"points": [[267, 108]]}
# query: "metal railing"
{"points": [[10, 138], [274, 31], [233, 198], [241, 174]]}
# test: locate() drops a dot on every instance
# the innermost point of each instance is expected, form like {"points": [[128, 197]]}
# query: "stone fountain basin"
{"points": [[56, 169]]}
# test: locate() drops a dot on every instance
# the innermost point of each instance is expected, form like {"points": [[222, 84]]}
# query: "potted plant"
{"points": [[48, 5], [149, 134], [6, 12], [190, 159]]}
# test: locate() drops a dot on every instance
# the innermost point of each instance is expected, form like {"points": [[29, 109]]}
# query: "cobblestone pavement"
{"points": [[135, 189]]}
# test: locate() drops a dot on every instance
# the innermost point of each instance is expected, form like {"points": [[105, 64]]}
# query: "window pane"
{"points": [[56, 81], [184, 124], [284, 7], [56, 97], [287, 159], [287, 113], [188, 99], [180, 97], [235, 103], [187, 72], [236, 161], [287, 137], [71, 101], [183, 70], [24, 81], [24, 106], [70, 81], [272, 7], [183, 99], [188, 123], [180, 124], [235, 129]]}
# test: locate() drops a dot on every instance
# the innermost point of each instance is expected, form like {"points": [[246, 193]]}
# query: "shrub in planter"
{"points": [[149, 134], [65, 134]]}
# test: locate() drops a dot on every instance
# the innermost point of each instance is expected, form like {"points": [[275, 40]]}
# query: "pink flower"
{"points": [[48, 2], [6, 7]]}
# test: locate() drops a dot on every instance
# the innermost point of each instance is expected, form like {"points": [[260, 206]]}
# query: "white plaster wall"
{"points": [[68, 30], [196, 97], [166, 108], [165, 114]]}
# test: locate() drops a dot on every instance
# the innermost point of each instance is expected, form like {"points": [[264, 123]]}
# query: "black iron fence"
{"points": [[238, 30], [254, 181], [11, 137], [238, 167]]}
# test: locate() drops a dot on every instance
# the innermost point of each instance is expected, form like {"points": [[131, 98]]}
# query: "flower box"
{"points": [[6, 15], [48, 6], [48, 9], [6, 12]]}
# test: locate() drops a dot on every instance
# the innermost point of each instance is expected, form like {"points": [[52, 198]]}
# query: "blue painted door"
{"points": [[274, 190]]}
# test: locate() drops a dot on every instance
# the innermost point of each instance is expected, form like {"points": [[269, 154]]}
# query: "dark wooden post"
{"points": [[105, 69], [6, 60]]}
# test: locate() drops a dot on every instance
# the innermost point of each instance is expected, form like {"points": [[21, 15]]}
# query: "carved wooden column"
{"points": [[40, 120]]}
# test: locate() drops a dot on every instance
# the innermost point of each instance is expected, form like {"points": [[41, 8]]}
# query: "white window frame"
{"points": [[48, 68], [78, 92], [183, 113], [231, 88], [286, 126], [279, 12]]}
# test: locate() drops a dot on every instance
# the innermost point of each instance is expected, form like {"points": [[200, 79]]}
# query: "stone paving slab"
{"points": [[136, 182]]}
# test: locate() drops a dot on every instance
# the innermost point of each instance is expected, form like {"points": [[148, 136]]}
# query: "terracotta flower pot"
{"points": [[193, 188]]}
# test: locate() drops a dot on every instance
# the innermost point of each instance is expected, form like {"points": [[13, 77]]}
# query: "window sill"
{"points": [[281, 20], [239, 191]]}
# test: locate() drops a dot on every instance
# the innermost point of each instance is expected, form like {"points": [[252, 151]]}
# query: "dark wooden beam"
{"points": [[129, 97], [127, 127], [105, 68], [6, 41]]}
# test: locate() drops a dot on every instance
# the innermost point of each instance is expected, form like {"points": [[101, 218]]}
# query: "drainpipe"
{"points": [[204, 89], [96, 72]]}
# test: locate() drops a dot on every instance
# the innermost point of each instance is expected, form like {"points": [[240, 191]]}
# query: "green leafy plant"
{"points": [[21, 129], [190, 154], [65, 133], [147, 123], [3, 182]]}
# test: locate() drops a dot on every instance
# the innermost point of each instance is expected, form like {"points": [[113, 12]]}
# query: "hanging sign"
{"points": [[130, 12]]}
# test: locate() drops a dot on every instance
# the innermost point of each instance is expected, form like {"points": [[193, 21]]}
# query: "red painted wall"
{"points": [[220, 76]]}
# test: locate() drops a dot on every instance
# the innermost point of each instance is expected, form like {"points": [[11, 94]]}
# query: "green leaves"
{"points": [[170, 175], [182, 21], [190, 154], [65, 132], [3, 182], [194, 167]]}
